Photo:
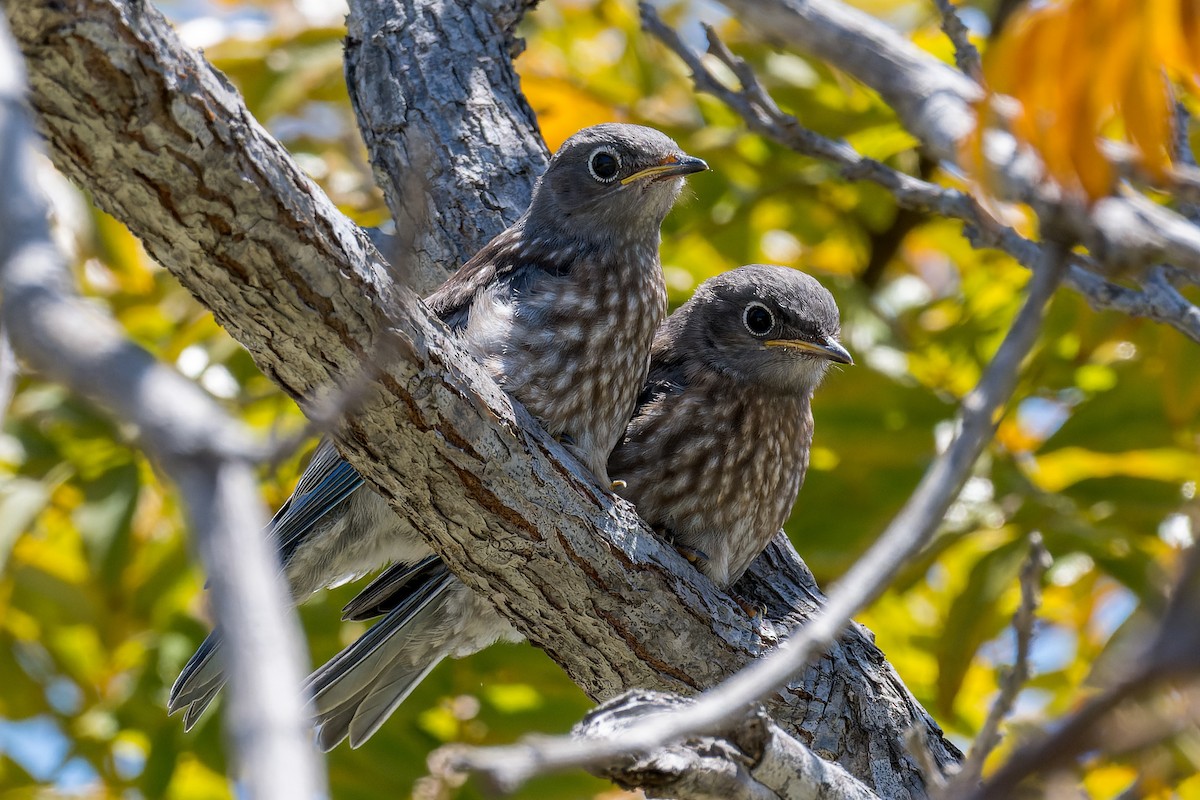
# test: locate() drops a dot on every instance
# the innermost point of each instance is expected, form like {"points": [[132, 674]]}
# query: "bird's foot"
{"points": [[756, 612], [618, 484], [697, 558]]}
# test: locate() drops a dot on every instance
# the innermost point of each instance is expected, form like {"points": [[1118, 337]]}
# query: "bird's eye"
{"points": [[604, 165], [758, 319]]}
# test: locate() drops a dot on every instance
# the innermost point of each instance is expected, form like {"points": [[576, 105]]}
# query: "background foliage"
{"points": [[101, 603]]}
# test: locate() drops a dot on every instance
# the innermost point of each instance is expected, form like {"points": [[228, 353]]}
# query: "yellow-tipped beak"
{"points": [[830, 350], [672, 165]]}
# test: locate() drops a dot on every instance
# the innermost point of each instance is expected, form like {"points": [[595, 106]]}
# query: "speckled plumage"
{"points": [[561, 308], [717, 450]]}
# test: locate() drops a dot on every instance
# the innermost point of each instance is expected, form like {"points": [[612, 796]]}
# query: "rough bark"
{"points": [[755, 760], [428, 105], [163, 143]]}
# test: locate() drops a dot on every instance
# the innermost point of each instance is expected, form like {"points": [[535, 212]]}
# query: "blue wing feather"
{"points": [[324, 486]]}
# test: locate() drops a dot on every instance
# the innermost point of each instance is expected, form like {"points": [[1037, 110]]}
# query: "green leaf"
{"points": [[975, 617], [21, 500]]}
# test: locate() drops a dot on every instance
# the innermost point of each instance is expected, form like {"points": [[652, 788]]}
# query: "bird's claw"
{"points": [[756, 613], [618, 484], [694, 556]]}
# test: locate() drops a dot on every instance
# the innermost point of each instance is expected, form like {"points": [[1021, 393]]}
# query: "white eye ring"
{"points": [[592, 166], [754, 306]]}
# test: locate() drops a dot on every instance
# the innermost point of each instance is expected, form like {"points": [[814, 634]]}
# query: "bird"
{"points": [[712, 458], [561, 308], [718, 446]]}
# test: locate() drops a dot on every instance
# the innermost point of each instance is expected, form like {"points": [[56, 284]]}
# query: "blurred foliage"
{"points": [[1114, 87], [101, 603]]}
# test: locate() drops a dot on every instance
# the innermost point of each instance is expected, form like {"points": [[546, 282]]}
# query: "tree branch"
{"points": [[1159, 302], [303, 289], [753, 760], [190, 438], [965, 54], [1036, 564], [476, 139], [936, 104], [718, 709]]}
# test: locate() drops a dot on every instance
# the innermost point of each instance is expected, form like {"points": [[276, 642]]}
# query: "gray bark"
{"points": [[163, 143], [755, 760], [453, 115]]}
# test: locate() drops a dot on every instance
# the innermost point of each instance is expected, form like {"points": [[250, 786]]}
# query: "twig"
{"points": [[965, 54], [754, 104], [715, 710], [1036, 564], [1171, 653], [189, 436], [1124, 233], [9, 369]]}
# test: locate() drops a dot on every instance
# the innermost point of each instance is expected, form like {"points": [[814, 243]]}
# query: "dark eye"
{"points": [[758, 319], [604, 165]]}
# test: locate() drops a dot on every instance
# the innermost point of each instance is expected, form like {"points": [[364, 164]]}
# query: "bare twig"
{"points": [[189, 436], [965, 54], [755, 105], [9, 369], [1036, 564], [1170, 654], [1124, 233], [717, 709]]}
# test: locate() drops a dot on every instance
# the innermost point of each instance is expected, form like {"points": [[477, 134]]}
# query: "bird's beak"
{"points": [[670, 166], [829, 349]]}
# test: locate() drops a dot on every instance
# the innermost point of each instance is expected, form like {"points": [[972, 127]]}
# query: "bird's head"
{"points": [[611, 180], [771, 326]]}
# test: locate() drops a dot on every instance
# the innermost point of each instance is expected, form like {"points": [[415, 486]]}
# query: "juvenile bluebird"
{"points": [[561, 308], [718, 447], [713, 458]]}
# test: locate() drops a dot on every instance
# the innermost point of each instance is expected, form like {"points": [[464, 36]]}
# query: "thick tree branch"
{"points": [[471, 132], [718, 709], [221, 205], [186, 434]]}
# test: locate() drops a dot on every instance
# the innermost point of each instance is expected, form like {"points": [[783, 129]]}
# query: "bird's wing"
{"points": [[356, 691], [389, 589], [326, 483], [507, 260], [452, 300], [663, 381]]}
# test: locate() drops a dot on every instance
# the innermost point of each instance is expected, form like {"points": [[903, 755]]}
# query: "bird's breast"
{"points": [[574, 348]]}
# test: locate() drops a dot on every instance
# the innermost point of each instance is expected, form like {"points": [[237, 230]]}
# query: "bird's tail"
{"points": [[358, 689], [197, 685]]}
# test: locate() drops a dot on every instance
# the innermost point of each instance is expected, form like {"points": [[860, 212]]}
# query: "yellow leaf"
{"points": [[563, 108], [1059, 469]]}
